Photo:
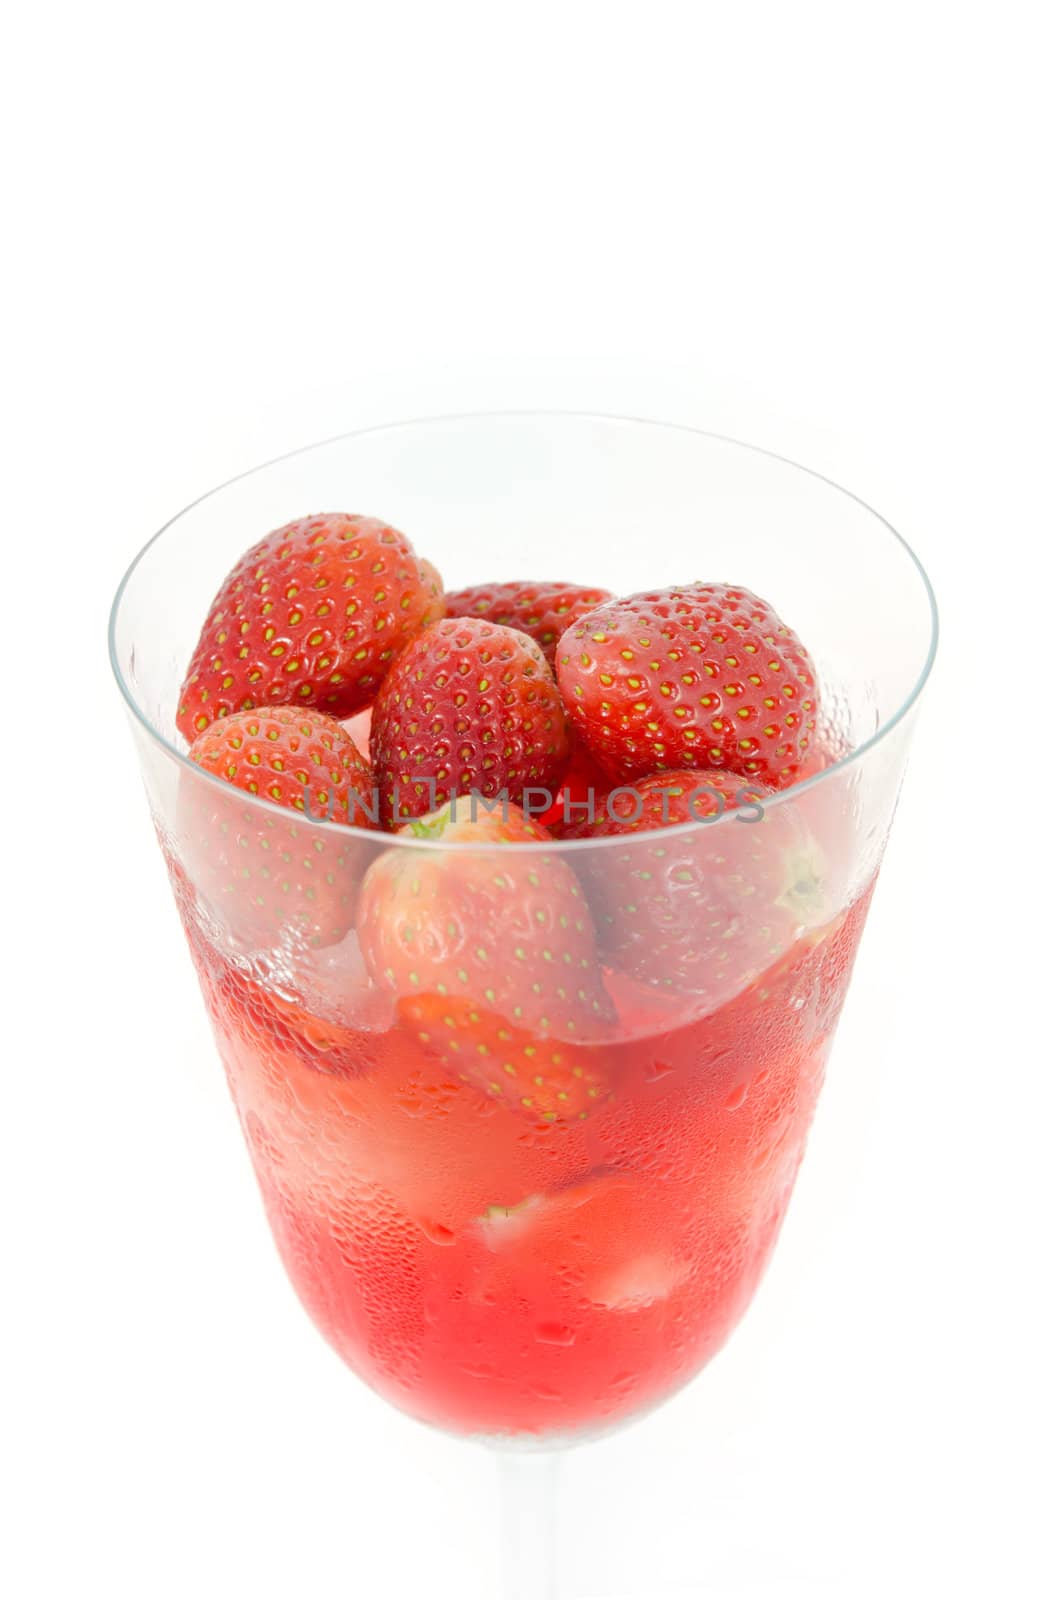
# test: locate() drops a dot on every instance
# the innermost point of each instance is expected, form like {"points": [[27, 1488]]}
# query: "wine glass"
{"points": [[515, 1230]]}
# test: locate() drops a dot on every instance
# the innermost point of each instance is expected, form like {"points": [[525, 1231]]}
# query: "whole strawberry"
{"points": [[703, 675], [703, 909], [502, 927], [543, 610], [265, 874], [311, 616], [468, 706]]}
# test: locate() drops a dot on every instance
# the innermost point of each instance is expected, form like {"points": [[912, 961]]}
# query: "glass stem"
{"points": [[528, 1490]]}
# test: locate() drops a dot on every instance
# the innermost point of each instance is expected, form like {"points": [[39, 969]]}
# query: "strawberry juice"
{"points": [[496, 1275]]}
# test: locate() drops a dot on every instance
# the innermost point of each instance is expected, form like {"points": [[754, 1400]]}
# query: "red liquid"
{"points": [[493, 1276]]}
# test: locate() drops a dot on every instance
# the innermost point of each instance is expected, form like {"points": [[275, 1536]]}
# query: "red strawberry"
{"points": [[582, 783], [663, 799], [617, 1234], [504, 928], [547, 1080], [359, 729], [471, 706], [543, 610], [435, 586], [260, 873], [818, 759], [295, 757], [311, 616], [705, 910], [698, 676]]}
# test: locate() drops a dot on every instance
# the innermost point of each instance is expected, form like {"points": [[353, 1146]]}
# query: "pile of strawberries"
{"points": [[594, 716]]}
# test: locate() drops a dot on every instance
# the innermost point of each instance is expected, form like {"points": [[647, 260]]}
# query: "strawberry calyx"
{"points": [[803, 890]]}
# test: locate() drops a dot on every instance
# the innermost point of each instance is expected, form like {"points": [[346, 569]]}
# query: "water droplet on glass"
{"points": [[736, 1096], [554, 1333]]}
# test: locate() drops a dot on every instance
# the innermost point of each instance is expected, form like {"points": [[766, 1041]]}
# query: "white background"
{"points": [[826, 227]]}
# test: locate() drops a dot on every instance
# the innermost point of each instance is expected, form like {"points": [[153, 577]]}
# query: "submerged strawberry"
{"points": [[263, 873], [618, 1235], [311, 616], [547, 1080], [707, 909], [703, 675], [504, 928], [543, 610], [468, 706]]}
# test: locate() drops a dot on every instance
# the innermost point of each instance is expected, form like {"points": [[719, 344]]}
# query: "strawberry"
{"points": [[547, 1080], [310, 616], [467, 706], [543, 610], [698, 676], [617, 1235], [295, 757], [507, 929], [260, 873], [818, 759], [664, 799], [435, 586], [583, 783], [359, 729], [707, 909]]}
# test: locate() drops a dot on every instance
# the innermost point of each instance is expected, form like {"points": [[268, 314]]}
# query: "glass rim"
{"points": [[408, 841]]}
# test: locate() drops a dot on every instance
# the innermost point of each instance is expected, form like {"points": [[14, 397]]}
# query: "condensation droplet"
{"points": [[736, 1096], [554, 1333]]}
